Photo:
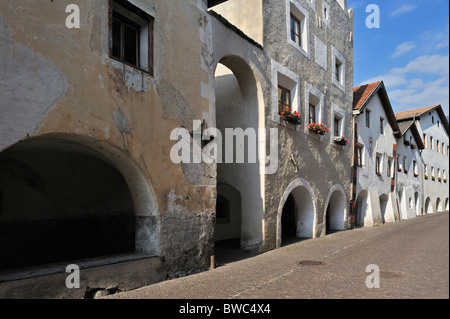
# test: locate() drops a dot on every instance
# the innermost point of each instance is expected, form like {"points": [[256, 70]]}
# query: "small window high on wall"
{"points": [[131, 35]]}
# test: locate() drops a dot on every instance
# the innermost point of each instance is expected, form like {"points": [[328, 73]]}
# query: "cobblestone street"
{"points": [[413, 257]]}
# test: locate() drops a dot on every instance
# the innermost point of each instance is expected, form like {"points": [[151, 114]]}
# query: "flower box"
{"points": [[416, 175], [318, 128], [426, 177], [440, 179], [445, 180], [341, 141], [399, 169], [291, 117], [406, 171], [433, 178], [413, 146], [407, 143]]}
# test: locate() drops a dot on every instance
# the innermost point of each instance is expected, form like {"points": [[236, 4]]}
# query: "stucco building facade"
{"points": [[102, 124]]}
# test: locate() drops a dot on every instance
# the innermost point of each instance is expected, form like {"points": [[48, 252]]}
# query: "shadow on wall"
{"points": [[59, 203]]}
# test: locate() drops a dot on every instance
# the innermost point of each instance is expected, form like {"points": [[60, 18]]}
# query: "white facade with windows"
{"points": [[376, 142]]}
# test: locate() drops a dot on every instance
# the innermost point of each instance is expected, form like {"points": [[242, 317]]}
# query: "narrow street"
{"points": [[412, 256]]}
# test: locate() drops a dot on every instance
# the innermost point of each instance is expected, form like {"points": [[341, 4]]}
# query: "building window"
{"points": [[432, 119], [338, 69], [431, 142], [437, 146], [368, 118], [296, 32], [425, 140], [415, 169], [382, 126], [337, 126], [131, 35], [405, 168], [326, 13], [285, 91], [359, 155], [298, 27], [379, 164], [313, 106], [443, 149], [390, 167], [284, 98], [312, 113]]}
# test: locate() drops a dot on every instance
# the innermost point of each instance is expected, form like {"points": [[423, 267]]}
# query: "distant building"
{"points": [[433, 128], [376, 133]]}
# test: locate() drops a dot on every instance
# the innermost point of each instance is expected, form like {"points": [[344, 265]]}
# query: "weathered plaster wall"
{"points": [[303, 155], [56, 79]]}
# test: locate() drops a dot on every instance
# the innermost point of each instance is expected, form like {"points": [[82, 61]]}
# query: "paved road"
{"points": [[413, 257]]}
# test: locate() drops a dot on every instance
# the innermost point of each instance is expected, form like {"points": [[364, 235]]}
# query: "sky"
{"points": [[409, 51]]}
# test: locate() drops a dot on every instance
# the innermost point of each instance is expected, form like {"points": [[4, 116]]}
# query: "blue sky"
{"points": [[409, 52]]}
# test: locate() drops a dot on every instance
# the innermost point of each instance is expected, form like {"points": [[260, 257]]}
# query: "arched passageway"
{"points": [[63, 201], [336, 212], [439, 207], [384, 199], [361, 208], [238, 111], [428, 206], [417, 204], [296, 213]]}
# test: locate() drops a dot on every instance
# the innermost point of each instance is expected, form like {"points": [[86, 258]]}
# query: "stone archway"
{"points": [[384, 199], [361, 208], [428, 206], [336, 209], [439, 205], [69, 197], [417, 204], [238, 110], [305, 210]]}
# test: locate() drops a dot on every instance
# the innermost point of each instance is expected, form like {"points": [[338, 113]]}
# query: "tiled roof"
{"points": [[414, 113], [362, 93]]}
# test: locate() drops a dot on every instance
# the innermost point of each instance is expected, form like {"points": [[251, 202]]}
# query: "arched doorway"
{"points": [[238, 112], [336, 210], [438, 205], [428, 206], [63, 200], [383, 206], [361, 208], [417, 204], [297, 211]]}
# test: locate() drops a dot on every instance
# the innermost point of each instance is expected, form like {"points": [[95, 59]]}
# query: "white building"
{"points": [[376, 130], [410, 170], [433, 127]]}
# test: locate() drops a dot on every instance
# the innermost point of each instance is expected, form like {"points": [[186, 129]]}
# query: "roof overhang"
{"points": [[438, 109], [387, 106]]}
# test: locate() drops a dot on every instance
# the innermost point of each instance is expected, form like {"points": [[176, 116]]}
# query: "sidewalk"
{"points": [[265, 275]]}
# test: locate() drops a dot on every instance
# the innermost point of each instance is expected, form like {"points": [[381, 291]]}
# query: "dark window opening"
{"points": [[284, 98], [131, 35]]}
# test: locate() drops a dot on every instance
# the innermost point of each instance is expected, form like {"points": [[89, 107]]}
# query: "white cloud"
{"points": [[402, 49], [402, 10], [410, 91]]}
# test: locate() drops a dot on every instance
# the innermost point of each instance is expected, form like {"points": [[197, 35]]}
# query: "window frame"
{"points": [[302, 15], [146, 31], [368, 117], [360, 155], [379, 164]]}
